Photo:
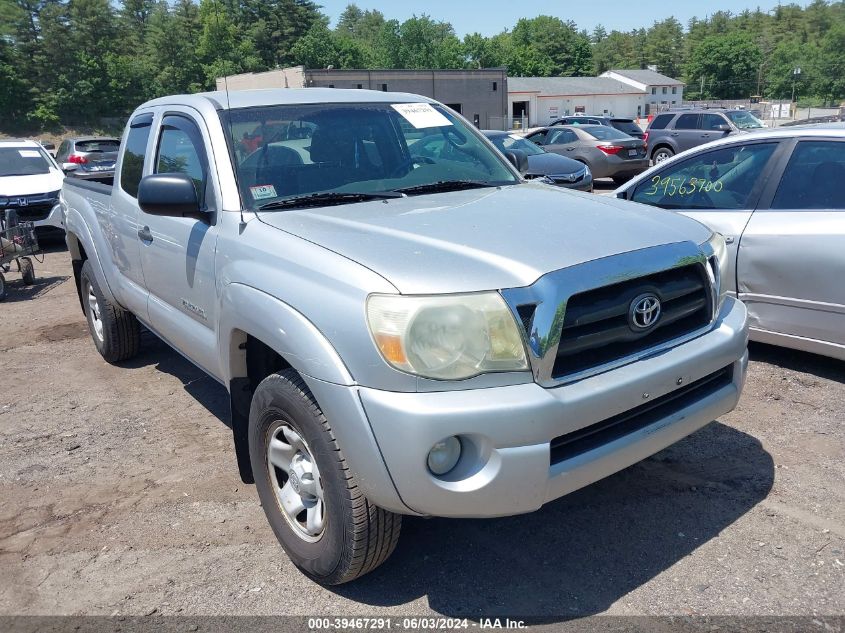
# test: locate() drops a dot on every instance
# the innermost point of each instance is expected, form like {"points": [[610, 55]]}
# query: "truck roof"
{"points": [[283, 96]]}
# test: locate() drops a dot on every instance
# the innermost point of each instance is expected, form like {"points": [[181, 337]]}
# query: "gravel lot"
{"points": [[120, 495]]}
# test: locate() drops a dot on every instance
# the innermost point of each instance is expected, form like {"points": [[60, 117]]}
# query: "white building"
{"points": [[661, 92], [541, 100]]}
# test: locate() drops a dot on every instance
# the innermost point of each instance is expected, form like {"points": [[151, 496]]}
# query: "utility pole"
{"points": [[796, 74]]}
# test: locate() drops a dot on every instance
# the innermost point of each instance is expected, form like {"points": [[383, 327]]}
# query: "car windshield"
{"points": [[604, 133], [744, 120], [293, 151], [508, 142], [23, 161]]}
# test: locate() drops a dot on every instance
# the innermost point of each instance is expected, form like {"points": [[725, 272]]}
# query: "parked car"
{"points": [[30, 181], [680, 130], [629, 126], [777, 197], [549, 168], [89, 157], [400, 334], [608, 152]]}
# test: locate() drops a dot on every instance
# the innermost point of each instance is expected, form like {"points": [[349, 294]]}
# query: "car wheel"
{"points": [[116, 332], [328, 528], [27, 271], [661, 154]]}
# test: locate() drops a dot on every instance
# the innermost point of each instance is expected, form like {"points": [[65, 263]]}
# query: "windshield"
{"points": [[507, 142], [288, 151], [744, 120], [604, 133], [23, 161]]}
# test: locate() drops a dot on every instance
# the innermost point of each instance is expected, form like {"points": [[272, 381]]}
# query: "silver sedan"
{"points": [[778, 197]]}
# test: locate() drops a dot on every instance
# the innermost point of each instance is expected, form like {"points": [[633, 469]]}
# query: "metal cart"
{"points": [[17, 245]]}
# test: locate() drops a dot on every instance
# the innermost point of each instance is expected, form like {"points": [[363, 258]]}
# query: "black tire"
{"points": [[2, 287], [357, 536], [27, 271], [120, 337], [661, 154]]}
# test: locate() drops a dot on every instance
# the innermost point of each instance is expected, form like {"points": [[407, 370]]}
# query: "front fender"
{"points": [[285, 330]]}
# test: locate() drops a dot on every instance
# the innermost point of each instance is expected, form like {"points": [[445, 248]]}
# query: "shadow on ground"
{"points": [[821, 366], [202, 387]]}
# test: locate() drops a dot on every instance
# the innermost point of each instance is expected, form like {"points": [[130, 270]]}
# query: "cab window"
{"points": [[718, 179], [181, 150], [132, 165]]}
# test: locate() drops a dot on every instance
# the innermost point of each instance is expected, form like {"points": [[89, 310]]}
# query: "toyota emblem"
{"points": [[644, 312]]}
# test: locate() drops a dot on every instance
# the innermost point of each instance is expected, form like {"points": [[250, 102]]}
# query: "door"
{"points": [[791, 263], [711, 127], [686, 133], [719, 188], [122, 232], [177, 253], [561, 141]]}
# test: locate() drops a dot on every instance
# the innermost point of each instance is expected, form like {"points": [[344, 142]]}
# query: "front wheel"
{"points": [[328, 528], [662, 154], [115, 331]]}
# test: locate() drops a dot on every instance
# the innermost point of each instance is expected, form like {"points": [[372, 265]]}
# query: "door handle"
{"points": [[674, 134], [145, 234], [729, 239]]}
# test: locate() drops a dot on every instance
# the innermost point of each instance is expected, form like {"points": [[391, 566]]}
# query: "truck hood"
{"points": [[484, 239], [36, 183]]}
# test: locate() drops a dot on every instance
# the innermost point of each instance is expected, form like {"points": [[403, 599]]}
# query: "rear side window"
{"points": [[687, 122], [719, 179], [813, 178], [181, 150], [629, 127], [660, 121], [132, 167]]}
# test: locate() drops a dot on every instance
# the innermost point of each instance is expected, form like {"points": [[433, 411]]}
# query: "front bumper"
{"points": [[55, 219], [506, 432]]}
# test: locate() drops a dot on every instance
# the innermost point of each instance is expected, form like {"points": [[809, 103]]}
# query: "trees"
{"points": [[72, 60]]}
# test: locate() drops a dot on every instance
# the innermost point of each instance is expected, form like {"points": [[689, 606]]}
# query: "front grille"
{"points": [[35, 212], [596, 329], [572, 444]]}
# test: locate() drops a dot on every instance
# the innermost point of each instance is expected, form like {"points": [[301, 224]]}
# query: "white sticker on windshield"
{"points": [[515, 137], [421, 115], [260, 192], [29, 153]]}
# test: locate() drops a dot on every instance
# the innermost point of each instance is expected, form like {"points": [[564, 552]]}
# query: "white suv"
{"points": [[30, 180]]}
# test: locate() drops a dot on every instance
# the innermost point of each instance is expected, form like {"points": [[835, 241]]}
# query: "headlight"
{"points": [[587, 171], [717, 262], [448, 337]]}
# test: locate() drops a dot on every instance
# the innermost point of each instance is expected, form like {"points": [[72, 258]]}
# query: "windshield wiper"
{"points": [[446, 185], [328, 198]]}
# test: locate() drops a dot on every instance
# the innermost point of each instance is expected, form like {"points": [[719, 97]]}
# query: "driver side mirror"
{"points": [[518, 159], [724, 127], [168, 194], [69, 167]]}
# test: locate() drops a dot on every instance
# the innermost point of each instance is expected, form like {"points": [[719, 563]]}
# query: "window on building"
{"points": [[331, 85], [495, 86], [654, 91], [675, 90], [384, 87], [360, 86], [665, 90]]}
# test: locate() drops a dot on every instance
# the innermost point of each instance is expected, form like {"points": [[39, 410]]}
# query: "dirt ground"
{"points": [[119, 495]]}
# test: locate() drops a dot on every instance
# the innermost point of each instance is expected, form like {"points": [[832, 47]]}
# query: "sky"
{"points": [[492, 16]]}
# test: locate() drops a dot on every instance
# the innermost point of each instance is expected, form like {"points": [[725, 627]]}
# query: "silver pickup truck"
{"points": [[399, 334]]}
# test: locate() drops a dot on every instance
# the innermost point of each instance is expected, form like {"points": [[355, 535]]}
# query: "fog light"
{"points": [[444, 455]]}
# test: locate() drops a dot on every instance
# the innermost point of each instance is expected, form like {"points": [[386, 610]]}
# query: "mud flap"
{"points": [[240, 396]]}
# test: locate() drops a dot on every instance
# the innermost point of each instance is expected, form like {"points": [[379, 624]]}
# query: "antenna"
{"points": [[228, 104]]}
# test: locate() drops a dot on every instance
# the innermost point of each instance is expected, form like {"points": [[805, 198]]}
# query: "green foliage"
{"points": [[74, 61]]}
